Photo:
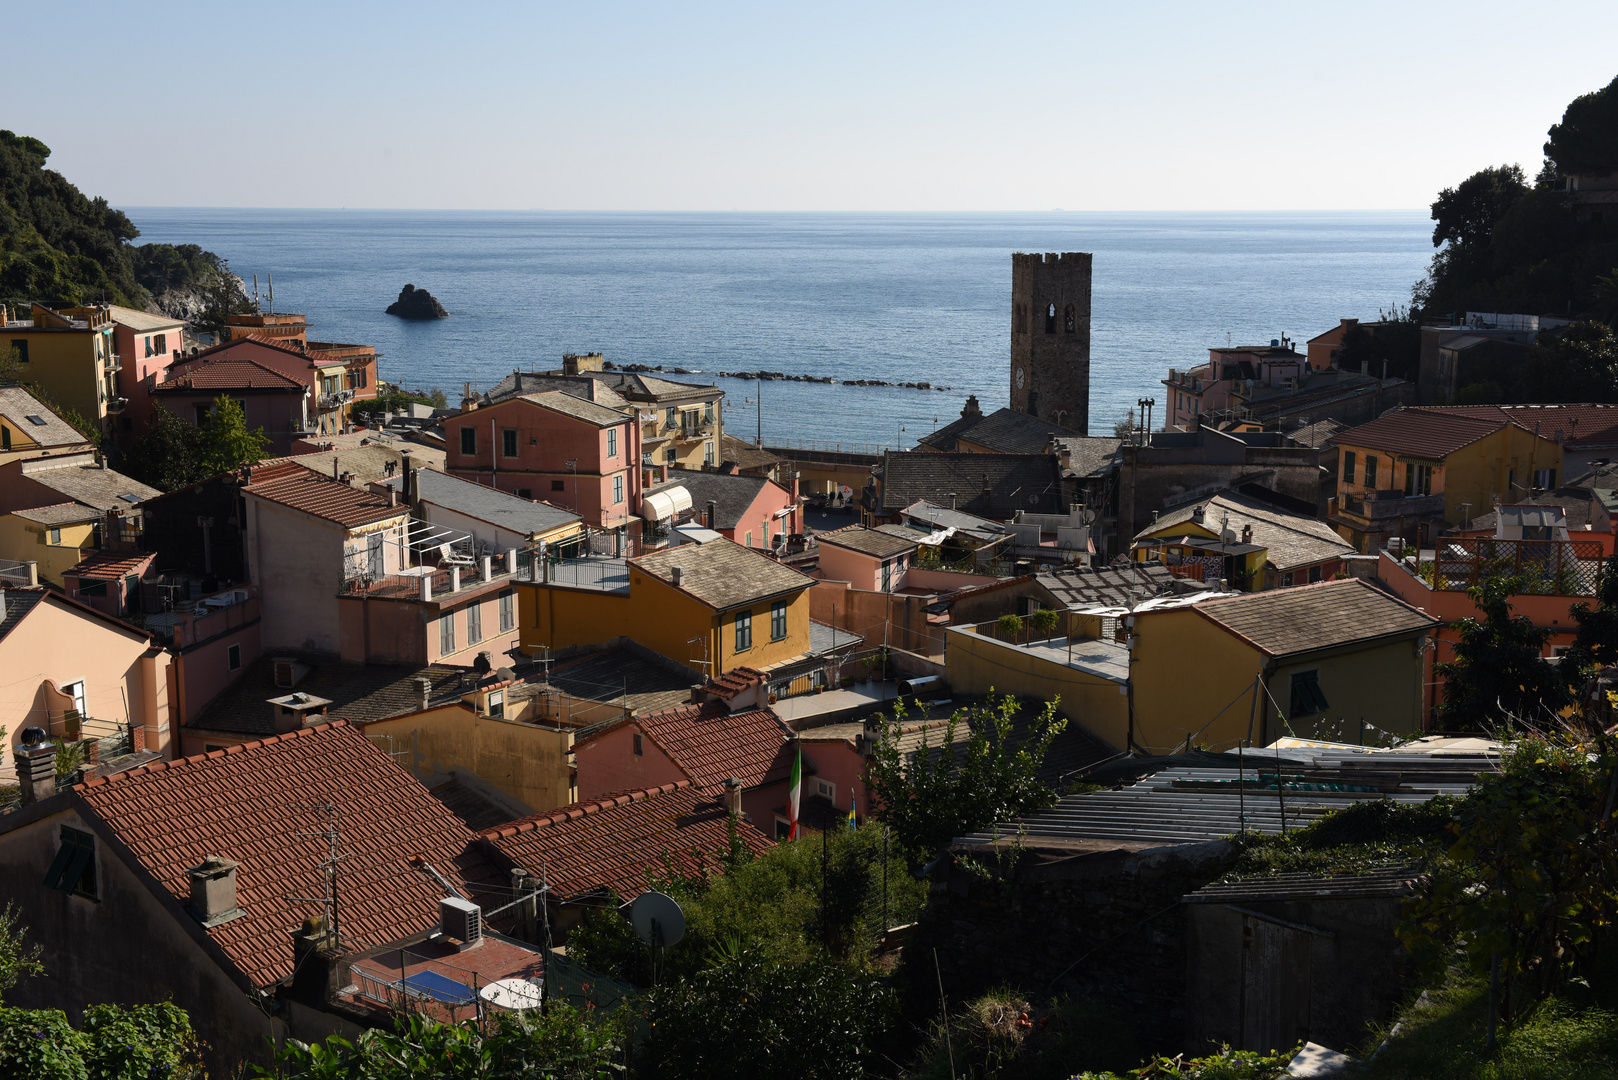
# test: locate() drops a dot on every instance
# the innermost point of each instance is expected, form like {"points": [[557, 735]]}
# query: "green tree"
{"points": [[944, 789], [1579, 364], [116, 1043], [750, 1017], [227, 444], [562, 1044], [18, 959], [1009, 627], [1586, 141], [1595, 646], [1396, 342], [1499, 674], [168, 455], [1466, 214]]}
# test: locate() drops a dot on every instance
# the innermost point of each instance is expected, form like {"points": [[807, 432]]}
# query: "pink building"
{"points": [[1228, 380], [754, 511], [146, 345], [552, 446], [868, 559], [333, 376], [271, 400]]}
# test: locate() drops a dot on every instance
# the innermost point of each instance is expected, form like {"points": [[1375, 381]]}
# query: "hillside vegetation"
{"points": [[60, 246]]}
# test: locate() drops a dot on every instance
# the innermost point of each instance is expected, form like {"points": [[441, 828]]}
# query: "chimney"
{"points": [[213, 890], [426, 588], [1247, 534], [971, 409], [870, 735], [677, 575], [1198, 513], [1050, 442], [697, 696], [317, 963], [1365, 368], [334, 475], [36, 767], [424, 689], [733, 796], [393, 496], [713, 514]]}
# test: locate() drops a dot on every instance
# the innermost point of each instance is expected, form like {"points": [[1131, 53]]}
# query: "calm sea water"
{"points": [[900, 297]]}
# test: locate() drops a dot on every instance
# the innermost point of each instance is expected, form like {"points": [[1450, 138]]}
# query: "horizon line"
{"points": [[549, 210]]}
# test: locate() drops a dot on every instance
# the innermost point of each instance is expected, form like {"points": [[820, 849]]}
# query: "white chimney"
{"points": [[677, 574]]}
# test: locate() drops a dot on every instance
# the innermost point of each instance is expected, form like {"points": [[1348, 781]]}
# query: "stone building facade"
{"points": [[1050, 337]]}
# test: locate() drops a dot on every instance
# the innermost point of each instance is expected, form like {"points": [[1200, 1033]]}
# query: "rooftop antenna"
{"points": [[269, 277], [255, 288], [332, 834]]}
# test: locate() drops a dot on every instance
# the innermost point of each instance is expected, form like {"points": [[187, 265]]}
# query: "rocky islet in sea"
{"points": [[414, 303]]}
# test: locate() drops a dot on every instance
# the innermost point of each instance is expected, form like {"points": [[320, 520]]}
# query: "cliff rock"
{"points": [[414, 303]]}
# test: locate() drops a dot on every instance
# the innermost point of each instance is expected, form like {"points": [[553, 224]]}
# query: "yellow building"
{"points": [[56, 537], [1413, 473], [1341, 661], [1244, 541], [471, 741], [712, 606], [69, 354], [29, 430]]}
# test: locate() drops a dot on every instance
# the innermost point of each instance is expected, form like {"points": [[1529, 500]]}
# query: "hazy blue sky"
{"points": [[823, 106]]}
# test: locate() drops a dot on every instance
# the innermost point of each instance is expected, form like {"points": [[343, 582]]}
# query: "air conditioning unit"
{"points": [[460, 919]]}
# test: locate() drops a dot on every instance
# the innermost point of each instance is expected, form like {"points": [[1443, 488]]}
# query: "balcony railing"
{"points": [[336, 399], [1382, 505], [1539, 567]]}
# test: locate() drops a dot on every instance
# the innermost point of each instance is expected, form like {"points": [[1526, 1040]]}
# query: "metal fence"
{"points": [[1539, 567]]}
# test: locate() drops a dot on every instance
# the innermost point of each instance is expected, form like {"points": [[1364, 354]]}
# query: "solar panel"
{"points": [[440, 988], [128, 498]]}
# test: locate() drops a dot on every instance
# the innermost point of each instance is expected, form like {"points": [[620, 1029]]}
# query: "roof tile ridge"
{"points": [[583, 808]]}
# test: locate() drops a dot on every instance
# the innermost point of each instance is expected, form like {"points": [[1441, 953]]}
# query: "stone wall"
{"points": [[1050, 351], [1091, 918]]}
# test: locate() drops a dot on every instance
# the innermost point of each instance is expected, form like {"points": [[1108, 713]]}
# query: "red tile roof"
{"points": [[229, 373], [733, 682], [613, 841], [109, 565], [710, 745], [1423, 433], [301, 488], [252, 804], [1577, 424]]}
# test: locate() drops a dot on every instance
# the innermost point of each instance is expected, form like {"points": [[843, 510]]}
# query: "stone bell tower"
{"points": [[1050, 337]]}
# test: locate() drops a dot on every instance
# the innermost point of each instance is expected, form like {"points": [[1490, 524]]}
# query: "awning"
{"points": [[664, 505]]}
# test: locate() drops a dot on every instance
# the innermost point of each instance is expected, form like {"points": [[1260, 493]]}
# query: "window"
{"points": [[508, 442], [640, 748], [1069, 320], [671, 456], [1050, 319], [1314, 574], [749, 539], [558, 485], [1545, 479], [160, 344], [1286, 581], [474, 624], [671, 416], [887, 577], [618, 489], [1306, 695], [508, 611], [5, 437], [707, 453], [446, 634], [1418, 479], [778, 620], [525, 493], [19, 349], [707, 412], [1370, 471], [56, 537], [744, 630], [497, 704], [469, 439], [75, 691], [74, 868], [233, 658], [94, 588], [783, 829], [612, 442], [826, 791], [1348, 466]]}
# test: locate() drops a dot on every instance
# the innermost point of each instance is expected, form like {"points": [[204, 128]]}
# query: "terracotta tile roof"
{"points": [[1283, 622], [300, 488], [228, 373], [1432, 432], [872, 542], [710, 745], [722, 574], [733, 682], [612, 842], [109, 565], [251, 804], [1580, 425]]}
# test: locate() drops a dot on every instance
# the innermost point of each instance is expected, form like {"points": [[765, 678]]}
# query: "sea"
{"points": [[917, 297]]}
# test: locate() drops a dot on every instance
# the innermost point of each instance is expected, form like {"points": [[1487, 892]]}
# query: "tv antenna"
{"points": [[333, 835]]}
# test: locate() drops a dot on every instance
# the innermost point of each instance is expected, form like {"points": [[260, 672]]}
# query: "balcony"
{"points": [[336, 399], [1376, 506], [1538, 567], [114, 363]]}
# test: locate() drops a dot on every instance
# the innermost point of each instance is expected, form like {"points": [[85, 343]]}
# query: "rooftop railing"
{"points": [[1538, 567]]}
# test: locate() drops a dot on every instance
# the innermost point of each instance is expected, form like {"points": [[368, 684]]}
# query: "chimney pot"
{"points": [[213, 890], [36, 771], [713, 515], [424, 689], [677, 574], [733, 796]]}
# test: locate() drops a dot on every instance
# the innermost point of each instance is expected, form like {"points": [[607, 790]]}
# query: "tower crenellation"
{"points": [[1050, 337]]}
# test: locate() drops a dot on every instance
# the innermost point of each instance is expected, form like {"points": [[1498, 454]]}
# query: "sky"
{"points": [[813, 106]]}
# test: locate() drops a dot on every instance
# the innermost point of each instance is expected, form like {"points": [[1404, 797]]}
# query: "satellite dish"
{"points": [[657, 919], [505, 674], [1228, 536], [514, 994]]}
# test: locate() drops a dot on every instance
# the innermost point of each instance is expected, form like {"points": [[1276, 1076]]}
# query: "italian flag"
{"points": [[794, 793]]}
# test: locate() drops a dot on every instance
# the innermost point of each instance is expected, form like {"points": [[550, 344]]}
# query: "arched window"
{"points": [[1069, 320], [1050, 320]]}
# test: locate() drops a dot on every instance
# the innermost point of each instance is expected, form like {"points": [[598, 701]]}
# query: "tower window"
{"points": [[1050, 319], [1069, 319]]}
